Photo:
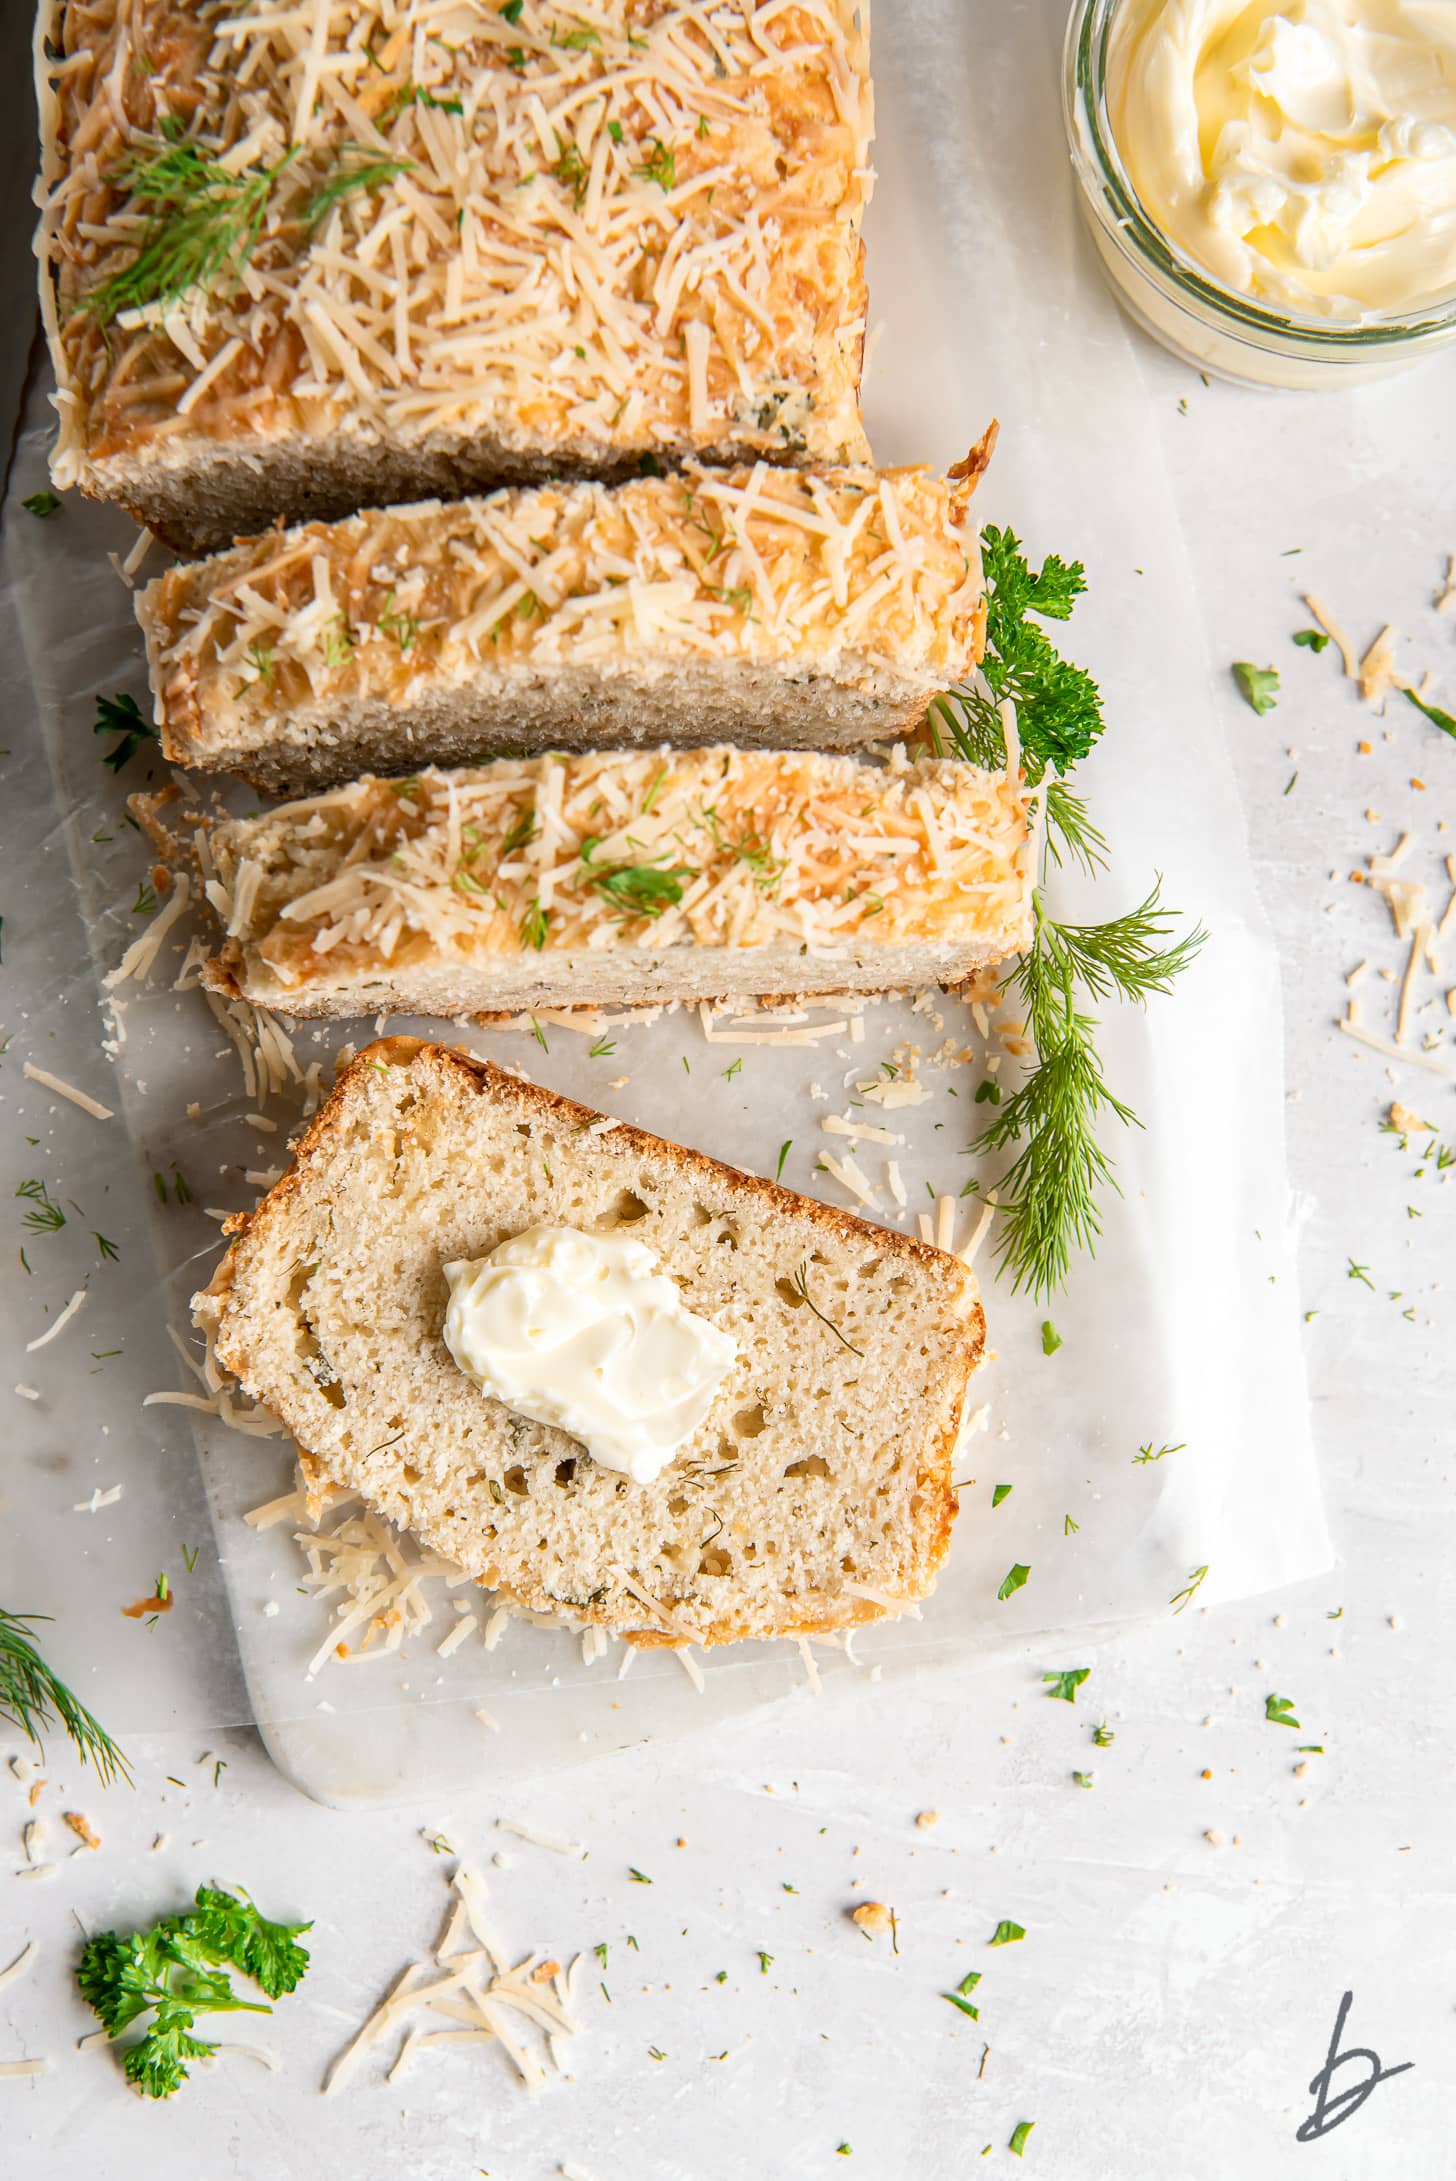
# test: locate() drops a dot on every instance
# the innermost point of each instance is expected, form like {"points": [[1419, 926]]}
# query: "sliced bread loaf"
{"points": [[801, 608], [621, 879], [815, 1495], [301, 260]]}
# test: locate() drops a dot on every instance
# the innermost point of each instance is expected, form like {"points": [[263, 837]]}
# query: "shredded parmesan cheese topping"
{"points": [[596, 229], [739, 848], [849, 572]]}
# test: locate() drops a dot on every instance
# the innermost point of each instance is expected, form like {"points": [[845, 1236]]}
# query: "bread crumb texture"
{"points": [[459, 244], [822, 1471]]}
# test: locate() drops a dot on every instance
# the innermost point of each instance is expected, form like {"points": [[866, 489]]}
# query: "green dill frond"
{"points": [[1130, 955], [32, 1697], [366, 174], [1069, 826], [201, 225]]}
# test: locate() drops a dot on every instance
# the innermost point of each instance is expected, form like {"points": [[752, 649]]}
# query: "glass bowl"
{"points": [[1177, 301]]}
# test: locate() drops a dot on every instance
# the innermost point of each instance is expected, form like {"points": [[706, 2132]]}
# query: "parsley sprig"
{"points": [[1050, 1199], [176, 1971]]}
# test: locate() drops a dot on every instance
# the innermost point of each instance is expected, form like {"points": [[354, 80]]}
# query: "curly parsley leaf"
{"points": [[1067, 1682], [175, 1970]]}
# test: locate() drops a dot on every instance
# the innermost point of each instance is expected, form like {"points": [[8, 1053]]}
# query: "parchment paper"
{"points": [[1183, 1333]]}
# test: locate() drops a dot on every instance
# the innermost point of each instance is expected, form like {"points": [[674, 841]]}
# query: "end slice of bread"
{"points": [[817, 1493], [809, 609], [621, 879]]}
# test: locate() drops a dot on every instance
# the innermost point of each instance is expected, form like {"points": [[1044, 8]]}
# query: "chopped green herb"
{"points": [[402, 627], [45, 1215], [1337, 1615], [121, 715], [1082, 1779], [1258, 685], [1067, 1682], [601, 1048], [641, 889], [534, 926], [369, 174], [103, 1247], [784, 1149], [41, 504], [1279, 1711], [1012, 1581], [1147, 1454], [1361, 1273], [1182, 1599], [1311, 639], [734, 1067], [659, 166], [200, 224], [1000, 1492], [765, 1962], [1051, 1339], [1103, 1735], [1006, 1933], [799, 1282], [572, 171], [539, 1035], [961, 2004], [1433, 712], [988, 1093], [655, 2052], [189, 1557], [511, 10], [614, 131], [1019, 2134], [638, 1879]]}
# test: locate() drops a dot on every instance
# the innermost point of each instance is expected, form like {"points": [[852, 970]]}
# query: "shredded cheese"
{"points": [[79, 1098]]}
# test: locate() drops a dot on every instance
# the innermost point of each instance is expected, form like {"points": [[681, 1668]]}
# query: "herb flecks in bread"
{"points": [[816, 1495]]}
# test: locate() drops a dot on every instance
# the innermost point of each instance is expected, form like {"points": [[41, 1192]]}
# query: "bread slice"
{"points": [[798, 608], [621, 879], [449, 248], [816, 1494]]}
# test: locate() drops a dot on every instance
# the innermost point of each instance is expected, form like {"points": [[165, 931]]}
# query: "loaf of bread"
{"points": [[798, 608], [816, 1494], [300, 260], [621, 879]]}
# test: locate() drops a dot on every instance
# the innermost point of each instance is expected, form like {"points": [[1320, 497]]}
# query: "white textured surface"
{"points": [[1172, 1999]]}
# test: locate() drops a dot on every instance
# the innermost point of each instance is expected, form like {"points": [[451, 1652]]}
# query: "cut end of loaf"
{"points": [[816, 1495]]}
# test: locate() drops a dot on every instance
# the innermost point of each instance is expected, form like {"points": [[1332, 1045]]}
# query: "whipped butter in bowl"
{"points": [[584, 1332], [1271, 184]]}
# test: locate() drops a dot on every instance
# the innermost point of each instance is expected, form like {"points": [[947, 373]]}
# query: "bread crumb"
{"points": [[872, 1917], [1215, 1838], [1301, 1768], [1394, 1621], [1363, 748], [81, 1827], [926, 1818], [1205, 1774]]}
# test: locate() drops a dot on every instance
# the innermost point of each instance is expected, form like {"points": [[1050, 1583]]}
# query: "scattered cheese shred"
{"points": [[73, 1308], [471, 1986], [80, 1098], [26, 1959]]}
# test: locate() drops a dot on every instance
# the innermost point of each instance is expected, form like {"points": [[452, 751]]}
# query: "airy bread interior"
{"points": [[817, 1493]]}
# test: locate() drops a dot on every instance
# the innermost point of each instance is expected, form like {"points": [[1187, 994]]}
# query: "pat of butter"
{"points": [[582, 1331]]}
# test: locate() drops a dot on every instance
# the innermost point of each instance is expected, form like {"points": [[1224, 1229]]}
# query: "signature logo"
{"points": [[1331, 2106]]}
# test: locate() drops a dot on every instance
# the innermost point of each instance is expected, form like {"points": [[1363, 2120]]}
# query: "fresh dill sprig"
{"points": [[201, 226], [1049, 1200], [45, 1215], [349, 181], [202, 221], [639, 889], [32, 1697]]}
